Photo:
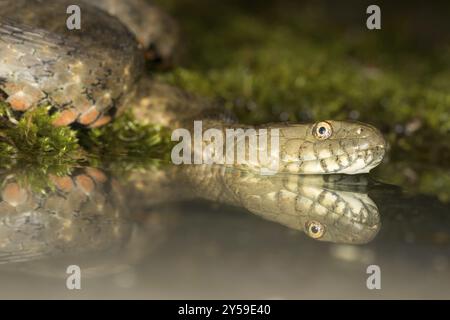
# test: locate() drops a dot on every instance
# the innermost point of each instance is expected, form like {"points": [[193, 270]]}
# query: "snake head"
{"points": [[327, 147]]}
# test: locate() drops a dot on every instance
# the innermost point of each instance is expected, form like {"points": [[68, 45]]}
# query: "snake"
{"points": [[90, 75]]}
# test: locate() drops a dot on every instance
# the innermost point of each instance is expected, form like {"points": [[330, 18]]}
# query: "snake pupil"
{"points": [[314, 229], [322, 130]]}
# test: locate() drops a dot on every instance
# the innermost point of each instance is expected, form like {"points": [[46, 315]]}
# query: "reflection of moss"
{"points": [[37, 177]]}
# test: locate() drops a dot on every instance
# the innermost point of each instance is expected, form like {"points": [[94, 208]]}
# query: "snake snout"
{"points": [[365, 145], [376, 138], [377, 146]]}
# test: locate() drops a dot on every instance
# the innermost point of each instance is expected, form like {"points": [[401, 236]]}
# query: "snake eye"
{"points": [[315, 229], [322, 130]]}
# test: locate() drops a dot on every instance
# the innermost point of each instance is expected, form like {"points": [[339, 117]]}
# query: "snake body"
{"points": [[90, 75]]}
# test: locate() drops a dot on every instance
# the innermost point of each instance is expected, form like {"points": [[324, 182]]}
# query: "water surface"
{"points": [[156, 238]]}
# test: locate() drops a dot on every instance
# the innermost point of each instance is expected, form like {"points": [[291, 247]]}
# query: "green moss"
{"points": [[125, 137], [33, 138]]}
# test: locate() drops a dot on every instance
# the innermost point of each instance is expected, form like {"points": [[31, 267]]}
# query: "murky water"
{"points": [[172, 233]]}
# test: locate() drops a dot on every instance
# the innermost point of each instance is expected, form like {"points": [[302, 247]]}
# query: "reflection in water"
{"points": [[134, 235], [81, 218], [328, 208], [332, 208], [85, 215]]}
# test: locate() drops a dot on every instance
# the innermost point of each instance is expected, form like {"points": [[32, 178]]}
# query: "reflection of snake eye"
{"points": [[315, 229], [322, 130]]}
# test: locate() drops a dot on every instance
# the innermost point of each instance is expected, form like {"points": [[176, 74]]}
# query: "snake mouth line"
{"points": [[359, 161]]}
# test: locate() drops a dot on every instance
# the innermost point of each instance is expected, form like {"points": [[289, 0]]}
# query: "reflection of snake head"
{"points": [[331, 147], [82, 213], [328, 208], [342, 217]]}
